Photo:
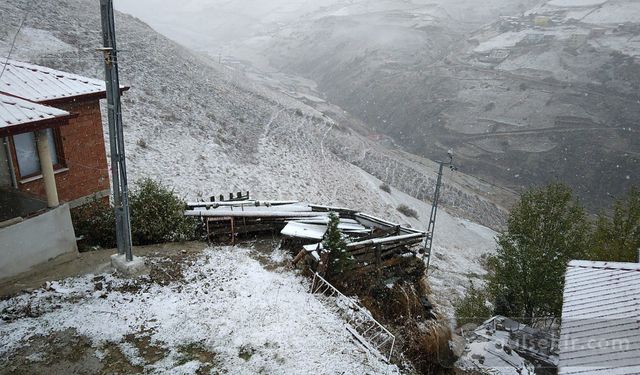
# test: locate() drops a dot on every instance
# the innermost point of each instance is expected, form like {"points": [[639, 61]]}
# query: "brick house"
{"points": [[52, 159], [32, 231], [80, 163]]}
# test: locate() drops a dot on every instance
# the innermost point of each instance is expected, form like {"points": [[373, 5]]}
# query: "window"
{"points": [[27, 152]]}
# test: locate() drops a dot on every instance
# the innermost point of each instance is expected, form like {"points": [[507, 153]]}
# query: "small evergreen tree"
{"points": [[339, 259], [618, 239], [546, 229]]}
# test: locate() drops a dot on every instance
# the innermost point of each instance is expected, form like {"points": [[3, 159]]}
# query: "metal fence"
{"points": [[373, 335]]}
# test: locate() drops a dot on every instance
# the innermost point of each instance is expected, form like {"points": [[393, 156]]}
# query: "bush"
{"points": [[385, 187], [473, 308], [142, 143], [156, 217], [407, 211], [95, 222]]}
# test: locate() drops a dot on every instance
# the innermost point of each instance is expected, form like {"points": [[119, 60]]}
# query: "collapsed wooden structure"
{"points": [[373, 243]]}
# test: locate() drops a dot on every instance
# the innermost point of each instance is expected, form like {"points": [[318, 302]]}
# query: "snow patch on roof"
{"points": [[600, 318], [605, 265], [37, 83], [15, 111]]}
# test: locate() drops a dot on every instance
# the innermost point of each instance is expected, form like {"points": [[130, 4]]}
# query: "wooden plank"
{"points": [[283, 215], [383, 240]]}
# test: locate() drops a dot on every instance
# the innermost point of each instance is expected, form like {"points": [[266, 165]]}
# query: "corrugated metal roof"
{"points": [[39, 84], [14, 111], [600, 331]]}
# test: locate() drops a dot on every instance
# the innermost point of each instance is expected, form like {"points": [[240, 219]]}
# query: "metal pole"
{"points": [[432, 218], [428, 244], [116, 134]]}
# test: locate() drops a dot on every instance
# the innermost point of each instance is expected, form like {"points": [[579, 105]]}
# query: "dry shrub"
{"points": [[422, 335], [408, 211], [156, 217], [427, 345]]}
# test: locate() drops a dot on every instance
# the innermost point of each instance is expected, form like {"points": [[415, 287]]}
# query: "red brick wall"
{"points": [[84, 154]]}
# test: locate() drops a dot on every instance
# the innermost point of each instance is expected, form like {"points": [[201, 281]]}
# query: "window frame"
{"points": [[60, 165]]}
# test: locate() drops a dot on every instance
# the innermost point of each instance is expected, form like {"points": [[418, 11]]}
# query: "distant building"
{"points": [[600, 331], [534, 39], [496, 56], [577, 40], [542, 21], [597, 32]]}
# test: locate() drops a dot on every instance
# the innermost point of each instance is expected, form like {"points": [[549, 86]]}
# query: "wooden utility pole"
{"points": [[116, 134], [428, 242]]}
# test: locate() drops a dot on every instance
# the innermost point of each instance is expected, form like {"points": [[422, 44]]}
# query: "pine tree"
{"points": [[339, 259], [546, 229], [618, 239]]}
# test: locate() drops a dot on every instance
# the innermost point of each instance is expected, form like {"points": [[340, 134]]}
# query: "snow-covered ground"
{"points": [[251, 320]]}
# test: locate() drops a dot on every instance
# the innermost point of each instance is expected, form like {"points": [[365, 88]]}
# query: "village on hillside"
{"points": [[130, 245]]}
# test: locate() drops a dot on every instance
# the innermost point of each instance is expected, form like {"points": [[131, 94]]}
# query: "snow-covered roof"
{"points": [[301, 230], [600, 319], [41, 84], [21, 116]]}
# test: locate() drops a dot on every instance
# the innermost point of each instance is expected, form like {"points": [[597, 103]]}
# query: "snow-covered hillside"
{"points": [[205, 129]]}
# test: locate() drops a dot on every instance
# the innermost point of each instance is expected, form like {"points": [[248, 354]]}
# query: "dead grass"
{"points": [[149, 351], [195, 351], [407, 211], [422, 335]]}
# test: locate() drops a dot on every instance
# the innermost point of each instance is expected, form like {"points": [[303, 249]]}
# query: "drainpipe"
{"points": [[12, 170], [46, 166]]}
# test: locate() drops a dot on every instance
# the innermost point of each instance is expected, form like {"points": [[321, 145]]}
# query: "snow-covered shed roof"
{"points": [[21, 116], [600, 331], [40, 84]]}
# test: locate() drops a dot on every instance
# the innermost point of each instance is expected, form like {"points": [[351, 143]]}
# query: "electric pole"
{"points": [[116, 134], [428, 242]]}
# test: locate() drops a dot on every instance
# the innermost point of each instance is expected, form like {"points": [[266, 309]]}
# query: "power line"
{"points": [[15, 37]]}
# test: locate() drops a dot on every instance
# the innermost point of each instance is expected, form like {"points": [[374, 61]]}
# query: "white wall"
{"points": [[36, 241]]}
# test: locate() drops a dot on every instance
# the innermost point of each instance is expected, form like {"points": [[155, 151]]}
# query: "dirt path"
{"points": [[86, 263]]}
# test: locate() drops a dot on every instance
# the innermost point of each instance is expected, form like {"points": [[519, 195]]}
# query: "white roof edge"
{"points": [[17, 111], [45, 69], [38, 83], [605, 265]]}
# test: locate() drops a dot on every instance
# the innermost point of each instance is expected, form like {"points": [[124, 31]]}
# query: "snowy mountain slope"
{"points": [[205, 129], [213, 25], [559, 108]]}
